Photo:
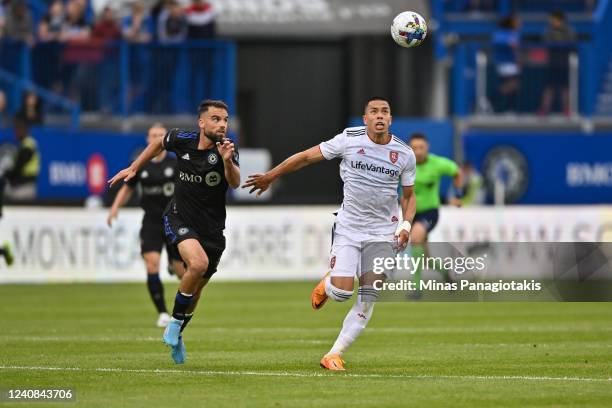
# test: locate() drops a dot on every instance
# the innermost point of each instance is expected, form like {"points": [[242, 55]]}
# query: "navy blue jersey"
{"points": [[156, 180], [200, 186]]}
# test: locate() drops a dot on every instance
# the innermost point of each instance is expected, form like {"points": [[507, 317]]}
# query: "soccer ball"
{"points": [[409, 29]]}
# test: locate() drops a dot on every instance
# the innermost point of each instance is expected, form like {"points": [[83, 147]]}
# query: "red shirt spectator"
{"points": [[200, 19], [107, 28]]}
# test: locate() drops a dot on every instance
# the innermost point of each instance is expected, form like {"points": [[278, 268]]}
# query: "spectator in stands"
{"points": [[137, 27], [46, 57], [201, 25], [106, 28], [200, 20], [77, 55], [558, 29], [75, 26], [559, 37], [19, 23], [171, 30], [22, 176], [2, 19], [590, 5], [31, 109], [3, 106], [157, 9], [506, 42], [52, 23], [172, 24]]}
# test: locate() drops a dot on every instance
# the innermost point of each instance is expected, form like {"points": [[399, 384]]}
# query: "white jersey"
{"points": [[371, 173]]}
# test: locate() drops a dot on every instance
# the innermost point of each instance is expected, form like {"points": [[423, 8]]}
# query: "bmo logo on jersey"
{"points": [[212, 179], [190, 178]]}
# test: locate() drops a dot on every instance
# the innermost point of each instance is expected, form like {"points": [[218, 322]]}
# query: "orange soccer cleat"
{"points": [[332, 362], [318, 297]]}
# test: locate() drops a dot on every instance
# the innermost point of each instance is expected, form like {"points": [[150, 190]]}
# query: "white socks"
{"points": [[355, 321], [339, 295]]}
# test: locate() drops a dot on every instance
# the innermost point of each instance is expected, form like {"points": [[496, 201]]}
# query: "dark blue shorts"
{"points": [[428, 219], [177, 231]]}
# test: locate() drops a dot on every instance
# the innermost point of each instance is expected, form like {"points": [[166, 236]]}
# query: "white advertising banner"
{"points": [[525, 224], [74, 244], [263, 243], [312, 18]]}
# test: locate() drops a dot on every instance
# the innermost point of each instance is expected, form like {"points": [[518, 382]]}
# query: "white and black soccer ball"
{"points": [[409, 29]]}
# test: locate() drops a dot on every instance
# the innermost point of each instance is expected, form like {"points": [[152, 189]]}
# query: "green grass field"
{"points": [[259, 344]]}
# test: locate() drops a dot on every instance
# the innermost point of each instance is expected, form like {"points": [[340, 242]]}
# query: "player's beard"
{"points": [[214, 137]]}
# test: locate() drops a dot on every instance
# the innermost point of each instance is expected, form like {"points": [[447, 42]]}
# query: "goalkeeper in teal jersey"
{"points": [[429, 171]]}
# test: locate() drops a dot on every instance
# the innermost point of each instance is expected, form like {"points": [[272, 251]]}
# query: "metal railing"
{"points": [[120, 78], [547, 81], [20, 86], [596, 55]]}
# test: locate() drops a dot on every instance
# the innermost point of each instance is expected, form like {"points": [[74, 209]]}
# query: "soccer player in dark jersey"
{"points": [[156, 182], [195, 218], [5, 249]]}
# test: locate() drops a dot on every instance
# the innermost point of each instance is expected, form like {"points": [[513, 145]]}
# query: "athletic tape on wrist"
{"points": [[403, 226]]}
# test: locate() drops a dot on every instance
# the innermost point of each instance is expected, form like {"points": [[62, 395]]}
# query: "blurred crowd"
{"points": [[68, 45], [30, 111], [508, 59], [168, 21]]}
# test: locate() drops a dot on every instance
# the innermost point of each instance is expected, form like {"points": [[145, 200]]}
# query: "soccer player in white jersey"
{"points": [[373, 162]]}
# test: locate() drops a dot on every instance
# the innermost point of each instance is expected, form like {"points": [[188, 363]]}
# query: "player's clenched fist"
{"points": [[259, 182], [125, 175]]}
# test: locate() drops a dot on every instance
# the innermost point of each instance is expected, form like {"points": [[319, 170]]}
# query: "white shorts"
{"points": [[346, 255]]}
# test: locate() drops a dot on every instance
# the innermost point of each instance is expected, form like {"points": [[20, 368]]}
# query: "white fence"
{"points": [[263, 243]]}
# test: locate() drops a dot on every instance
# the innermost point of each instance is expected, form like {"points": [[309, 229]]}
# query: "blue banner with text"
{"points": [[543, 168]]}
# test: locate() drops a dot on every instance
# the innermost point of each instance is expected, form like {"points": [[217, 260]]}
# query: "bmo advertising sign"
{"points": [[91, 174], [76, 165], [544, 168], [96, 174]]}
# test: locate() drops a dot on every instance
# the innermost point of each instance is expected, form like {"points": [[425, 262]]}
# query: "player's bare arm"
{"points": [[232, 172], [153, 149], [408, 204], [122, 197], [261, 182], [458, 181]]}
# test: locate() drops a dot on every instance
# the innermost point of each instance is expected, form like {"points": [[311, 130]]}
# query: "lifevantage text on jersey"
{"points": [[374, 168]]}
